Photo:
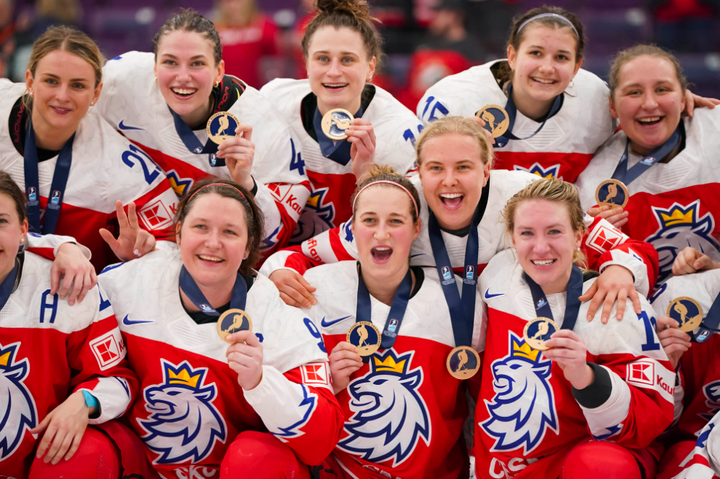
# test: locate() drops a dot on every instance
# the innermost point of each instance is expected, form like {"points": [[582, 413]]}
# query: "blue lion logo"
{"points": [[183, 423], [316, 217], [712, 395], [389, 416], [18, 407], [524, 403], [681, 226], [537, 169]]}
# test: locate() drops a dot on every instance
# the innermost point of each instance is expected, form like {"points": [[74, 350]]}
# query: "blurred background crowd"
{"points": [[425, 40]]}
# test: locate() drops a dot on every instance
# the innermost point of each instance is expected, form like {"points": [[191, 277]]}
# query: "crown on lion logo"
{"points": [[523, 350], [6, 356], [183, 375], [677, 215], [390, 364]]}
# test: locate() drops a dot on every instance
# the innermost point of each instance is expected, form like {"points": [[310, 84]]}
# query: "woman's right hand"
{"points": [[673, 341], [615, 215], [344, 361], [133, 241], [294, 290], [690, 261]]}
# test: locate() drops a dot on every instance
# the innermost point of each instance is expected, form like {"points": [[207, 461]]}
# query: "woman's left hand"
{"points": [[245, 357], [362, 152], [64, 427], [74, 272], [615, 283], [569, 352], [133, 241], [693, 101], [239, 152]]}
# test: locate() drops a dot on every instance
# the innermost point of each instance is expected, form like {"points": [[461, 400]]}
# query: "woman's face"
{"points": [[648, 101], [545, 242], [63, 89], [12, 234], [338, 68], [186, 72], [544, 63], [453, 175], [213, 240], [384, 231]]}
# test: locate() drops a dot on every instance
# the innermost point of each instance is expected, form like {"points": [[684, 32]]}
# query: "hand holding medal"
{"points": [[235, 146], [687, 312]]}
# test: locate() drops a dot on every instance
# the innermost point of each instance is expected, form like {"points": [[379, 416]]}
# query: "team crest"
{"points": [[317, 216], [712, 395], [17, 407], [523, 407], [183, 423], [681, 226], [552, 171], [389, 415], [179, 185]]}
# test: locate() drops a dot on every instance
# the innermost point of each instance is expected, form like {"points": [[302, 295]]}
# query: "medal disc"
{"points": [[496, 119], [463, 362], [687, 312], [221, 126], [232, 321], [335, 122], [365, 337], [538, 331], [612, 193]]}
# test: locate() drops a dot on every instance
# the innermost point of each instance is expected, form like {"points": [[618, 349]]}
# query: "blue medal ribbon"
{"points": [[572, 304], [397, 309], [512, 114], [710, 323], [628, 176], [338, 151], [193, 144], [8, 285], [462, 308], [32, 184], [192, 291]]}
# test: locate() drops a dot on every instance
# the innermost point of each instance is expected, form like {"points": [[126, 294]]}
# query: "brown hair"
{"points": [[557, 191], [66, 39], [516, 35], [353, 14], [189, 20], [10, 188], [386, 173], [461, 126], [628, 54], [228, 189]]}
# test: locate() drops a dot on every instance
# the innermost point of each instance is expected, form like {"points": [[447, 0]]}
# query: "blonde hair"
{"points": [[632, 53], [386, 173], [461, 126], [557, 191]]}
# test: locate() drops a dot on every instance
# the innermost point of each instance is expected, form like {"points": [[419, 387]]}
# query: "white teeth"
{"points": [[541, 80], [382, 248], [183, 91], [543, 262], [649, 120], [214, 259], [451, 195]]}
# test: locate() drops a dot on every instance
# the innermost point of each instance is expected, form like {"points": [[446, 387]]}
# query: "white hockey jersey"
{"points": [[48, 350], [396, 130], [183, 363], [565, 145], [672, 205], [404, 412], [131, 101]]}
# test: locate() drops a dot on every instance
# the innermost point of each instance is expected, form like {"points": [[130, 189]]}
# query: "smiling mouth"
{"points": [[544, 81], [61, 109], [542, 262], [335, 86], [210, 259], [452, 200], [651, 120], [183, 91], [381, 254]]}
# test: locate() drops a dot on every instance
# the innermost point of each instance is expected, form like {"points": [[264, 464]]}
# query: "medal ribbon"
{"points": [[572, 305], [336, 150], [462, 308], [32, 184], [710, 323], [512, 114], [8, 285], [397, 309], [628, 176], [192, 291]]}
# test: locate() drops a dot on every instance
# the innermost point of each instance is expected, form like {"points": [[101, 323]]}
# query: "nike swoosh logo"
{"points": [[123, 126], [129, 322], [489, 295], [327, 324]]}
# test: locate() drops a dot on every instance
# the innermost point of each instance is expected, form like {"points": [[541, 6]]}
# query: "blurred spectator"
{"points": [[7, 30], [246, 35], [686, 25]]}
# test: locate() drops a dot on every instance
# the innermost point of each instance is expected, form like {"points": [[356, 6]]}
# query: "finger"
{"points": [[593, 211], [621, 223], [295, 291], [42, 426], [307, 285], [110, 240], [77, 284], [344, 345], [621, 302], [120, 212], [63, 449], [47, 439], [65, 286], [139, 246], [596, 297], [689, 103], [74, 446], [87, 285], [290, 301], [246, 131], [54, 278], [132, 216], [607, 306], [635, 298]]}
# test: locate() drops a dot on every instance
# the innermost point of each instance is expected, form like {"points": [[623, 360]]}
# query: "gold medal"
{"points": [[365, 337], [612, 193], [463, 362], [687, 312], [538, 331], [335, 122], [221, 126], [496, 119], [233, 321]]}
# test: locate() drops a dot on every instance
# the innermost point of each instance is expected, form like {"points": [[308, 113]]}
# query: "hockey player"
{"points": [[162, 103], [664, 160], [341, 49], [71, 163], [254, 403], [61, 367], [404, 411], [588, 406], [465, 196], [557, 111]]}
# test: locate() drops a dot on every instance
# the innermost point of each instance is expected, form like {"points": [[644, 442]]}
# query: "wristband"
{"points": [[90, 400]]}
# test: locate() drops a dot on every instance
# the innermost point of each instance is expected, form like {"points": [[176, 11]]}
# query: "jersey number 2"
{"points": [[142, 158]]}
